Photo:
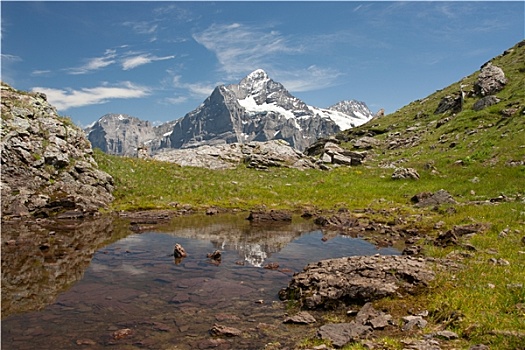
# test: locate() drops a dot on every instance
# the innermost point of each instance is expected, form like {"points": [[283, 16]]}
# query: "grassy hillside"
{"points": [[477, 156]]}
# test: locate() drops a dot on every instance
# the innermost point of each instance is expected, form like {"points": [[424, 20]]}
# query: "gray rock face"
{"points": [[125, 135], [260, 109], [491, 80], [335, 282], [47, 163], [260, 155], [256, 109]]}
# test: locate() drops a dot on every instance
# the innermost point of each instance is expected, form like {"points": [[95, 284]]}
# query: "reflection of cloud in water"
{"points": [[132, 270], [123, 268], [254, 254]]}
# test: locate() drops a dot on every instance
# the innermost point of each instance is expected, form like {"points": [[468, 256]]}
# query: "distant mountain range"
{"points": [[256, 109]]}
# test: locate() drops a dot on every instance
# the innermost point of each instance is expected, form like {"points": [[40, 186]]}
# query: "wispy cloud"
{"points": [[40, 72], [65, 99], [173, 12], [142, 27], [198, 90], [240, 48], [11, 58], [176, 100], [95, 63], [139, 60], [309, 79], [127, 61]]}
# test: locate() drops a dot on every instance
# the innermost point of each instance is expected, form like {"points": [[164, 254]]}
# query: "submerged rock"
{"points": [[224, 331], [301, 317]]}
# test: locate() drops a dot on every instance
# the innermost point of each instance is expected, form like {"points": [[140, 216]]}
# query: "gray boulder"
{"points": [[47, 162], [449, 103], [405, 173], [485, 102], [428, 199], [490, 80], [340, 334]]}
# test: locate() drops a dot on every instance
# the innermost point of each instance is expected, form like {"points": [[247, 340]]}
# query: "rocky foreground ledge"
{"points": [[47, 162], [331, 283]]}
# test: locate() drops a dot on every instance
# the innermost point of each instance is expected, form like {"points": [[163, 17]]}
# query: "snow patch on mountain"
{"points": [[252, 108]]}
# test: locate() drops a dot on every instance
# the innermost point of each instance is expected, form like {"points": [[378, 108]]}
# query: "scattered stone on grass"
{"points": [[405, 173], [427, 199], [340, 334]]}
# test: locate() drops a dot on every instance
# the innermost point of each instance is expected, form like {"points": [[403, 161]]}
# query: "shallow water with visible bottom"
{"points": [[133, 294]]}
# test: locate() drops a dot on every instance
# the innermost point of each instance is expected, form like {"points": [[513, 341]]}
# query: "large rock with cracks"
{"points": [[334, 282], [47, 163]]}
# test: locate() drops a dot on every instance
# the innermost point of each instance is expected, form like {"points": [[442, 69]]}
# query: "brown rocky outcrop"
{"points": [[47, 163], [334, 282]]}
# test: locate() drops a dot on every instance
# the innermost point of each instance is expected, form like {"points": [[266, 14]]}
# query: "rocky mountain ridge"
{"points": [[256, 109]]}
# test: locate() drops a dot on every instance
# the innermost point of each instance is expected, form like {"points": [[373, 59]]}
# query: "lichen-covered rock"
{"points": [[331, 283], [405, 173], [47, 163], [490, 80]]}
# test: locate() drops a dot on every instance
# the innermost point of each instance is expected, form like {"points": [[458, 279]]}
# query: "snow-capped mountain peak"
{"points": [[256, 109]]}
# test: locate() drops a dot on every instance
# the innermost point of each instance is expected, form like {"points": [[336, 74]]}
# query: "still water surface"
{"points": [[86, 287]]}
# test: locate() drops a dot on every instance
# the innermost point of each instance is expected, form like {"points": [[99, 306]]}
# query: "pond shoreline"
{"points": [[354, 224]]}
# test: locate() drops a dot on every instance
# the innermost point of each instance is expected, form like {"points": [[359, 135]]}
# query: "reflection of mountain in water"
{"points": [[254, 243], [38, 263]]}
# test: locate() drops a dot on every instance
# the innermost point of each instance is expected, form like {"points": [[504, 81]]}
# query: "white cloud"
{"points": [[241, 49], [176, 100], [95, 63], [196, 90], [10, 58], [135, 61], [40, 72], [65, 99], [143, 27], [309, 79]]}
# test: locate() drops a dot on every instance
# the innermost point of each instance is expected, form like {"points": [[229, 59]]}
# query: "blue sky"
{"points": [[159, 60]]}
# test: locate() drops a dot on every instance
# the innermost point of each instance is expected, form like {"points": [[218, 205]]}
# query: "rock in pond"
{"points": [[179, 251]]}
